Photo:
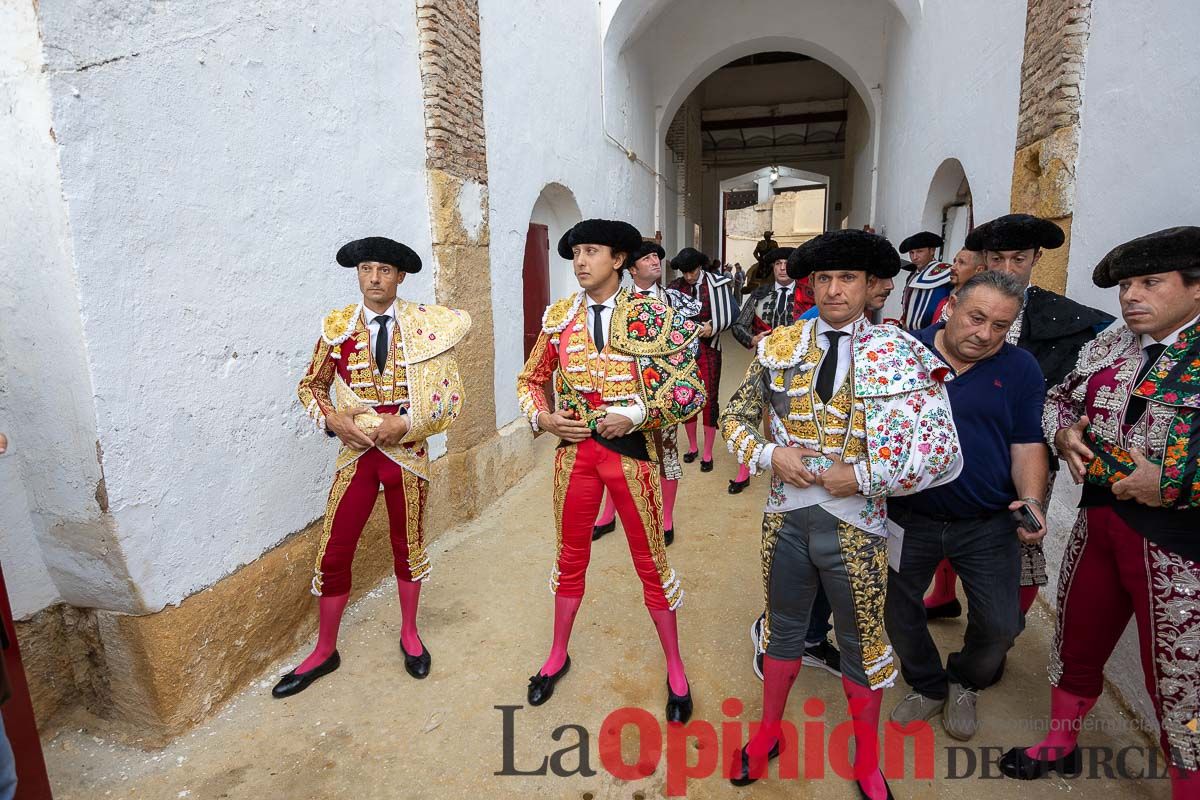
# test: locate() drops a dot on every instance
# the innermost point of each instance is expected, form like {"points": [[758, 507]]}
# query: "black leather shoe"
{"points": [[690, 457], [600, 530], [741, 766], [706, 466], [417, 666], [866, 796], [296, 682], [679, 707], [669, 536], [735, 487], [541, 687], [945, 610], [1016, 763]]}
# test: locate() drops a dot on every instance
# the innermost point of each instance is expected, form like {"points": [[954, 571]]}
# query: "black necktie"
{"points": [[1137, 405], [829, 366], [781, 308], [598, 327], [381, 342]]}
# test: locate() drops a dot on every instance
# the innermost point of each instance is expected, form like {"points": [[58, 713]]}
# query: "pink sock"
{"points": [[609, 512], [944, 579], [1185, 784], [1028, 595], [778, 677], [864, 711], [743, 474], [1067, 712], [410, 596], [669, 490], [329, 620], [689, 427], [710, 438], [565, 609], [666, 624]]}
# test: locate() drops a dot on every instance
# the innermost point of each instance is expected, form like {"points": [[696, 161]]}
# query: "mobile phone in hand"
{"points": [[1027, 519]]}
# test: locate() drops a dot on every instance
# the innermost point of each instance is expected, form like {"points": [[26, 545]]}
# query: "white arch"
{"points": [[941, 214], [557, 209]]}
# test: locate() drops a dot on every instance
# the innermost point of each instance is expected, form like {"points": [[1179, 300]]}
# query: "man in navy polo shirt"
{"points": [[996, 396]]}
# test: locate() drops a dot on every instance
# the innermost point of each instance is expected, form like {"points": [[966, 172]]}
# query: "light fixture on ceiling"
{"points": [[774, 174]]}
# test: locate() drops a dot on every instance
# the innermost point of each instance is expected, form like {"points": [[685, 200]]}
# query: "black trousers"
{"points": [[985, 552]]}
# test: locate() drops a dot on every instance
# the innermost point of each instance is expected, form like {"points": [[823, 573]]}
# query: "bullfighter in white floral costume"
{"points": [[856, 413]]}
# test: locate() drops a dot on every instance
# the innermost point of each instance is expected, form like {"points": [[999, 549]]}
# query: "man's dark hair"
{"points": [[1191, 276], [1000, 281]]}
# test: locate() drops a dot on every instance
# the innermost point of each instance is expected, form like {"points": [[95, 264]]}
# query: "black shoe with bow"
{"points": [[541, 687], [679, 707], [741, 766], [736, 487], [669, 536], [706, 466], [945, 610], [417, 666], [1016, 763], [296, 682], [690, 456], [600, 530]]}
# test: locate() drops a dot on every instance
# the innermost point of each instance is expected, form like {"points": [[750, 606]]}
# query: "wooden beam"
{"points": [[768, 122]]}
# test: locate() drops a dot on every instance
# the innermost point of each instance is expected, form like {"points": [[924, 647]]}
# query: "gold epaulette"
{"points": [[339, 324], [559, 313]]}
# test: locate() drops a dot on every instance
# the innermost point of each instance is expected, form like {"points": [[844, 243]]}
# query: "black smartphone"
{"points": [[1026, 519]]}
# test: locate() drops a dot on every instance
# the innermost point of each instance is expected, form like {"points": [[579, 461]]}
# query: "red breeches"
{"points": [[1111, 573], [581, 474], [355, 488]]}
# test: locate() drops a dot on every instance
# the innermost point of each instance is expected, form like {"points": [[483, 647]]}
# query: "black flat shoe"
{"points": [[735, 487], [541, 687], [706, 466], [1016, 763], [679, 707], [296, 682], [600, 530], [669, 536], [866, 796], [741, 766], [690, 457], [417, 666], [945, 610]]}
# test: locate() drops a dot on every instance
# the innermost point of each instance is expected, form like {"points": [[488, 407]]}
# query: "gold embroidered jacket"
{"points": [[420, 376]]}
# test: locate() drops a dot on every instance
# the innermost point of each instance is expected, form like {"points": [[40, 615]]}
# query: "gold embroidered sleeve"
{"points": [[742, 418], [313, 390], [533, 384]]}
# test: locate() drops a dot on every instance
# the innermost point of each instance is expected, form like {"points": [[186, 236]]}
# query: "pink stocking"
{"points": [[669, 490], [864, 711], [410, 596], [1028, 595], [778, 677], [710, 438], [944, 579], [668, 633], [565, 609], [743, 474], [1067, 712], [609, 512], [329, 619], [690, 428]]}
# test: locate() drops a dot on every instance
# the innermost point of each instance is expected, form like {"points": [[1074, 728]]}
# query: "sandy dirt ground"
{"points": [[369, 731]]}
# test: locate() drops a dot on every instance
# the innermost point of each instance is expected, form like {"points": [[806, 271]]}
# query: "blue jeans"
{"points": [[8, 766]]}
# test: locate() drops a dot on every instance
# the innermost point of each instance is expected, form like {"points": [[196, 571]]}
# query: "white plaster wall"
{"points": [[1138, 169], [952, 88], [542, 114], [214, 156], [52, 540]]}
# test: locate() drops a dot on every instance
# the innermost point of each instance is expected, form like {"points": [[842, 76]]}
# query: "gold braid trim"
{"points": [[864, 557], [564, 465], [646, 491], [770, 535], [341, 482], [416, 491]]}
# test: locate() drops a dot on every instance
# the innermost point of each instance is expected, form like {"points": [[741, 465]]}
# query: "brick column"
{"points": [[456, 163], [1052, 72]]}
